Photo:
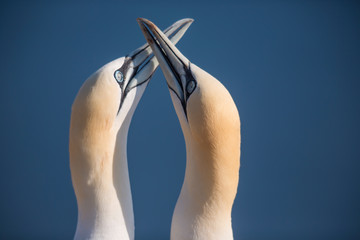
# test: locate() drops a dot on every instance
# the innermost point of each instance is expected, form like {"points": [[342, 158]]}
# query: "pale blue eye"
{"points": [[190, 87], [119, 76]]}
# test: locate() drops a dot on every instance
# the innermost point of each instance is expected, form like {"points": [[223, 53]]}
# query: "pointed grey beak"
{"points": [[175, 66], [140, 65], [143, 63]]}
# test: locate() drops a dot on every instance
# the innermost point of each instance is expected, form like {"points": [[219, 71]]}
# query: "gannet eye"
{"points": [[190, 87], [119, 76]]}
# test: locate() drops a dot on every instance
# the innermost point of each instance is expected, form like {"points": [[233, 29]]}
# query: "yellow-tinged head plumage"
{"points": [[214, 129], [92, 128]]}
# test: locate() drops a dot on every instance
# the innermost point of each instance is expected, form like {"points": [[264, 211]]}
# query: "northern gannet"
{"points": [[211, 126], [100, 119]]}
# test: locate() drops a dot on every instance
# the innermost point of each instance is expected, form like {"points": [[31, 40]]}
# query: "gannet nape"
{"points": [[100, 119], [211, 126]]}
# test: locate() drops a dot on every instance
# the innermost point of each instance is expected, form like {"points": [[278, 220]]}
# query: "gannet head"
{"points": [[211, 126], [101, 115]]}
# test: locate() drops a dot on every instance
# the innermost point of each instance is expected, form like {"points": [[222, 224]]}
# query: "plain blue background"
{"points": [[292, 67]]}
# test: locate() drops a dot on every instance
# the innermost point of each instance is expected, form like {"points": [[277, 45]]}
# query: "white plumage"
{"points": [[100, 119]]}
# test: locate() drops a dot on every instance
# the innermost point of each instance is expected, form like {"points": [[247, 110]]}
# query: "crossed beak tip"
{"points": [[144, 25]]}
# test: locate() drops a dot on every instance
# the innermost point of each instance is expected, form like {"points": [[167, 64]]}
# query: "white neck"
{"points": [[200, 212], [106, 211]]}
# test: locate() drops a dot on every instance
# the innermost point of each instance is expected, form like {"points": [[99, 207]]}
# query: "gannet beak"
{"points": [[141, 60], [175, 66]]}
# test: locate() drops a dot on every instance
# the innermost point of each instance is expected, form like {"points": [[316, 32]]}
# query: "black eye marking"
{"points": [[191, 83], [119, 76], [190, 87]]}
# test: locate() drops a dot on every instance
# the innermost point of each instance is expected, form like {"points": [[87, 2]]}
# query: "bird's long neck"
{"points": [[203, 209], [104, 200]]}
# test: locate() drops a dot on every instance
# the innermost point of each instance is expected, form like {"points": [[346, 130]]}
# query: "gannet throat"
{"points": [[100, 120], [211, 126]]}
